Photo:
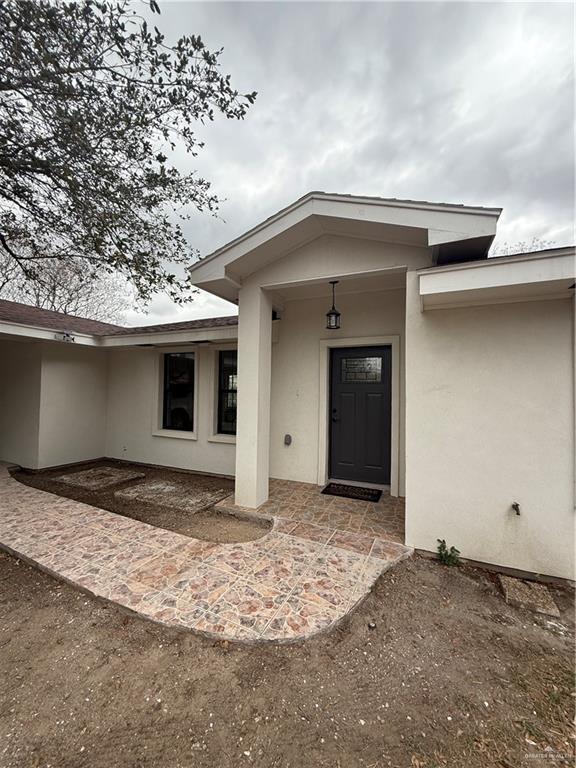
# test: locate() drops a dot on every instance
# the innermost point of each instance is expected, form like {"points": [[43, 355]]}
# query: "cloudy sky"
{"points": [[453, 102]]}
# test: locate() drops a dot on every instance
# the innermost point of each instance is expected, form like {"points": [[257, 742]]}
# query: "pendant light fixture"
{"points": [[333, 316]]}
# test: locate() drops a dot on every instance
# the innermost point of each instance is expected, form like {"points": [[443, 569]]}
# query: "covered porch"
{"points": [[304, 413], [302, 416]]}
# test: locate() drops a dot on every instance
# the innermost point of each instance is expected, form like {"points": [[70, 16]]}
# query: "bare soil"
{"points": [[206, 524], [449, 676]]}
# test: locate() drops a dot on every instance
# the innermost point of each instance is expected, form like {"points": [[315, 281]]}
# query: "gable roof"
{"points": [[392, 202], [467, 231]]}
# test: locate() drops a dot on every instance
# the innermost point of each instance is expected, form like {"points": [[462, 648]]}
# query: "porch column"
{"points": [[253, 416]]}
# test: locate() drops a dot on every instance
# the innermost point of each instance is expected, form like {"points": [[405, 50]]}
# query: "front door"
{"points": [[360, 414]]}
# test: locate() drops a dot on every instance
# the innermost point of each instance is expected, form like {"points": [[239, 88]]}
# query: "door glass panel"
{"points": [[362, 369]]}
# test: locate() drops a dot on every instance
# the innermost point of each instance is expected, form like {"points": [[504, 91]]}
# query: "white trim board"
{"points": [[324, 396]]}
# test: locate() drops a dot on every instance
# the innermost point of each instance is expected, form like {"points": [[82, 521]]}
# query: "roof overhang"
{"points": [[161, 338], [453, 232], [525, 277], [16, 331]]}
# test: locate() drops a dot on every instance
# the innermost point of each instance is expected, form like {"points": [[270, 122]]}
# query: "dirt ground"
{"points": [[450, 676], [209, 525]]}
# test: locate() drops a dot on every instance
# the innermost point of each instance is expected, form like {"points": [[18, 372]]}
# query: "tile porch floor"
{"points": [[321, 557], [303, 503]]}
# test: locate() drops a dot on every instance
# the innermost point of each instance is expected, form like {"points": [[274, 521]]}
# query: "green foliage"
{"points": [[447, 556], [93, 103]]}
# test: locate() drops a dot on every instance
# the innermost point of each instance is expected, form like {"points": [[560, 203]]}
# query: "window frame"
{"points": [[215, 436], [221, 391], [158, 430], [190, 357]]}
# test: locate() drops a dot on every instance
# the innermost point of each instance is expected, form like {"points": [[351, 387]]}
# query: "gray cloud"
{"points": [[454, 102]]}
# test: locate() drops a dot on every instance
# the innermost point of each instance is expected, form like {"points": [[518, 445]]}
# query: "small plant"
{"points": [[447, 556]]}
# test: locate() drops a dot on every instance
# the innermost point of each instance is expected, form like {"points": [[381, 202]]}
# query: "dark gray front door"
{"points": [[360, 414]]}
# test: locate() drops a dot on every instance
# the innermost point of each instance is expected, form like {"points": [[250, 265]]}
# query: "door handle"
{"points": [[335, 415]]}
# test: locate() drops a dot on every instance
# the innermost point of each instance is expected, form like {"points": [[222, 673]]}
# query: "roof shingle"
{"points": [[186, 325], [23, 314]]}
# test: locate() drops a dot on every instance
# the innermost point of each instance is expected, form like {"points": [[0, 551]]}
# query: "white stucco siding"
{"points": [[20, 364], [490, 421], [133, 414], [332, 255], [296, 375], [72, 404]]}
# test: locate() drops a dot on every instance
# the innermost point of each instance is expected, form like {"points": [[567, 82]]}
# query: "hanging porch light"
{"points": [[333, 316]]}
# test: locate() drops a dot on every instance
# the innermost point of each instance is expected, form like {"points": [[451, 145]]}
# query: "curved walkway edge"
{"points": [[281, 587]]}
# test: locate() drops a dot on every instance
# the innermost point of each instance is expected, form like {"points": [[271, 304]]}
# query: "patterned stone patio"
{"points": [[321, 558]]}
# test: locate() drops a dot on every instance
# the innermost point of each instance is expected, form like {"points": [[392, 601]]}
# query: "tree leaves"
{"points": [[92, 104]]}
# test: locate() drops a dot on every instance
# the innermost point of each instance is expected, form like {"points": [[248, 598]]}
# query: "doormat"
{"points": [[353, 492]]}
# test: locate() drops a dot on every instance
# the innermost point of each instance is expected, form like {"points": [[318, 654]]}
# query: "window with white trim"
{"points": [[178, 392]]}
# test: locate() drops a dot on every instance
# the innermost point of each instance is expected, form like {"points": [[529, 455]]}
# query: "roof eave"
{"points": [[153, 338], [525, 277], [445, 223], [39, 333], [159, 338], [375, 201]]}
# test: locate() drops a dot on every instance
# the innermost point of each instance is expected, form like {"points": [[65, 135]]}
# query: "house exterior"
{"points": [[450, 379]]}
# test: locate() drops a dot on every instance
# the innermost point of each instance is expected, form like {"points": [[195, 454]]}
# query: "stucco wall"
{"points": [[72, 404], [332, 255], [295, 401], [296, 373], [19, 402], [489, 421], [133, 414]]}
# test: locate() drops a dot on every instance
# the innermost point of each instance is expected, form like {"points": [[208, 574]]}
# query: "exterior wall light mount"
{"points": [[65, 336], [333, 316]]}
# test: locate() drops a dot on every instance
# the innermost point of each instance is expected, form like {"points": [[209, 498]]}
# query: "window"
{"points": [[227, 392], [178, 404]]}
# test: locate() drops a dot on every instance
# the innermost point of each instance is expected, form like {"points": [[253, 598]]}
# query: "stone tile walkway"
{"points": [[297, 580]]}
